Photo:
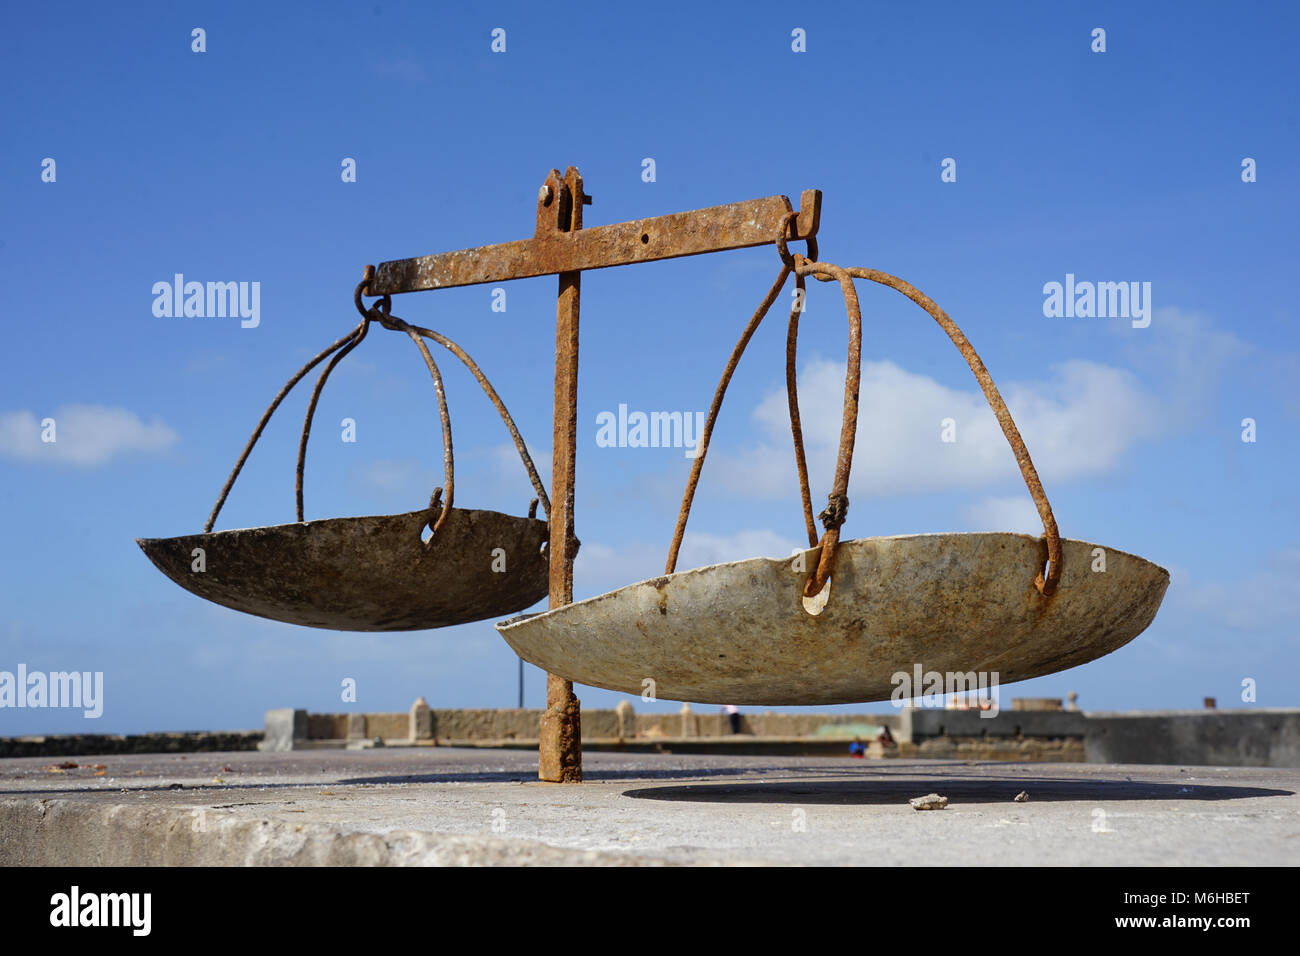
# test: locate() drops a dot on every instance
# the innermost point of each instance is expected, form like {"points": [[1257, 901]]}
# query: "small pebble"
{"points": [[931, 801], [1022, 797]]}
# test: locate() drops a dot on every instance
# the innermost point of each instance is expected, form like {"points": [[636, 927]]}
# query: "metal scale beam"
{"points": [[560, 246]]}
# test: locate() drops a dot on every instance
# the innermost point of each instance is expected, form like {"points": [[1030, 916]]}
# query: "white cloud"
{"points": [[699, 548], [1185, 355], [600, 568], [84, 435], [1078, 422]]}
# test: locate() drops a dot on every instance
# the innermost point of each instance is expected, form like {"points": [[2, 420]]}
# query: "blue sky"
{"points": [[225, 166]]}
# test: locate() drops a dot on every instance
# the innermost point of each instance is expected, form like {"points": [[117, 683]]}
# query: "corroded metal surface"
{"points": [[735, 226], [366, 574], [559, 752], [738, 633]]}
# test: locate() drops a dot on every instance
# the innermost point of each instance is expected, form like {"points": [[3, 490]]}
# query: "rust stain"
{"points": [[555, 248]]}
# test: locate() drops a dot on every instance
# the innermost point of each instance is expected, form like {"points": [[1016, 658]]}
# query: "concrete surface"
{"points": [[450, 806]]}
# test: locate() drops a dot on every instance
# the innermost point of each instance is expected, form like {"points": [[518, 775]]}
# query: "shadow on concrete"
{"points": [[957, 790], [795, 781]]}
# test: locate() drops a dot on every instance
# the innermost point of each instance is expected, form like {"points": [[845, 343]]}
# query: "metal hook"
{"points": [[783, 250], [435, 511], [368, 275]]}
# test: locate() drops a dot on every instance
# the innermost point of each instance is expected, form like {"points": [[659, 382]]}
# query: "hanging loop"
{"points": [[792, 398], [1049, 577], [837, 507], [381, 311], [834, 515], [786, 230], [386, 301]]}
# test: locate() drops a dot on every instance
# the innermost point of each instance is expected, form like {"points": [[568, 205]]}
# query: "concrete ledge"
{"points": [[288, 729], [67, 833], [1231, 738], [1256, 737], [917, 723], [74, 745], [729, 744]]}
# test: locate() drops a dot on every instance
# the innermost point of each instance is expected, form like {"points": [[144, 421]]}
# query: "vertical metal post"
{"points": [[560, 750]]}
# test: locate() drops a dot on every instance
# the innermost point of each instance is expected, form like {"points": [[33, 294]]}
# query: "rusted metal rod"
{"points": [[736, 226], [559, 758]]}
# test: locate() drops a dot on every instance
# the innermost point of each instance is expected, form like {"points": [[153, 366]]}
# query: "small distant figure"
{"points": [[885, 738], [857, 749], [733, 717]]}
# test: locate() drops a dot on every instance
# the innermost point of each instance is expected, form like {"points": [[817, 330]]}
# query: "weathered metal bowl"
{"points": [[739, 633], [367, 574]]}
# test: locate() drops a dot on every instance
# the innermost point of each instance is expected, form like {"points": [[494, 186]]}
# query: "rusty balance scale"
{"points": [[828, 625]]}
